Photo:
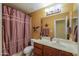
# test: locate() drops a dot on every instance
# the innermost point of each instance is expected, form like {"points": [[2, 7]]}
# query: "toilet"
{"points": [[28, 51]]}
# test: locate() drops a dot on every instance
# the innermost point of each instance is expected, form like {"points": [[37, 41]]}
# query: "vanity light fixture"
{"points": [[53, 9]]}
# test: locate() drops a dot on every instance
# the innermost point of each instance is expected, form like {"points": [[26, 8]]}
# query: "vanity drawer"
{"points": [[38, 45]]}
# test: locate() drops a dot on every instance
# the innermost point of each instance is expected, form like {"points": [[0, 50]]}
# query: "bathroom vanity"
{"points": [[42, 50], [48, 48]]}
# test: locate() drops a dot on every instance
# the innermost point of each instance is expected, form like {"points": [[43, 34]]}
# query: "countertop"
{"points": [[73, 50]]}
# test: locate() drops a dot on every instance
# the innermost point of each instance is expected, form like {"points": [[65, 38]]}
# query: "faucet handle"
{"points": [[51, 38]]}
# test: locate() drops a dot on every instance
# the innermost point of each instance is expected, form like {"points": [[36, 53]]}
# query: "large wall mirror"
{"points": [[63, 27]]}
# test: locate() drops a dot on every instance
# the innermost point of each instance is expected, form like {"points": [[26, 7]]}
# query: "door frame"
{"points": [[66, 18]]}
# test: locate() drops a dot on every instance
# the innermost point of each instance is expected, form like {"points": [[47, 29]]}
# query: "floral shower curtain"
{"points": [[16, 30]]}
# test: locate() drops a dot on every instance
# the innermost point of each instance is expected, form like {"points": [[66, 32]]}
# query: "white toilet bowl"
{"points": [[28, 50]]}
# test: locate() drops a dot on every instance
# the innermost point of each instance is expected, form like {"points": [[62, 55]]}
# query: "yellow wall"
{"points": [[36, 21], [40, 14]]}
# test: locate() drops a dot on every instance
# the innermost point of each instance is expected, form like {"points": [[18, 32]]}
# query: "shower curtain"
{"points": [[16, 30]]}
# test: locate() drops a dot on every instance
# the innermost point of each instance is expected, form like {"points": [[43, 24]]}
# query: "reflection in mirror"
{"points": [[60, 29], [69, 29], [75, 29], [45, 31], [72, 31], [64, 28]]}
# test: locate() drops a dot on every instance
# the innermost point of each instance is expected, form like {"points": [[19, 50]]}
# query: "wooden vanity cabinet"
{"points": [[42, 50]]}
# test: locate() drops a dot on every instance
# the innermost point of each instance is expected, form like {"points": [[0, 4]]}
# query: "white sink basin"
{"points": [[45, 39], [68, 46], [64, 44]]}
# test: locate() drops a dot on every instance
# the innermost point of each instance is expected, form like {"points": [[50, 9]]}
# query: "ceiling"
{"points": [[29, 7]]}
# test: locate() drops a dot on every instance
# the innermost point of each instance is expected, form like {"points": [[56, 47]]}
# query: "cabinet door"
{"points": [[38, 49], [38, 45], [63, 53], [55, 52], [48, 51]]}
